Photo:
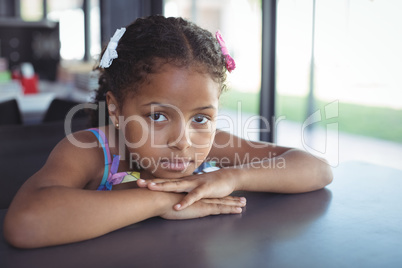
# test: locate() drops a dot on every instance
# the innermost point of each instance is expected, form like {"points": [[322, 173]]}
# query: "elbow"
{"points": [[19, 230]]}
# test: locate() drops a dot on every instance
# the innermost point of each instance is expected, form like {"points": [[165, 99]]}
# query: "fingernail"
{"points": [[141, 181], [238, 209], [153, 183], [178, 206], [243, 200]]}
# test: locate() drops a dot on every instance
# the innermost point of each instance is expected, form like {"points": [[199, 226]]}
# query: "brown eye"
{"points": [[157, 117], [200, 119]]}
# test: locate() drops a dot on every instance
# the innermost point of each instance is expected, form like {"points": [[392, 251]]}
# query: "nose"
{"points": [[179, 137]]}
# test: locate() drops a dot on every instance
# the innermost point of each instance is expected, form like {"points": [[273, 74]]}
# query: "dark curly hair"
{"points": [[150, 42]]}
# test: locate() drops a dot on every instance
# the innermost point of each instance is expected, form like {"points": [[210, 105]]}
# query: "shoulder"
{"points": [[84, 139], [82, 142], [74, 162], [231, 147], [225, 140]]}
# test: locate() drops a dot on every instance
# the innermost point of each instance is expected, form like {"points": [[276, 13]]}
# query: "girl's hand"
{"points": [[216, 184], [206, 207]]}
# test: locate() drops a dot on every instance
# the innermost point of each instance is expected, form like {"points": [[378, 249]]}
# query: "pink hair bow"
{"points": [[230, 63]]}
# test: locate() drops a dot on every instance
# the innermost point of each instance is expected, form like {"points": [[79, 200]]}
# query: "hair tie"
{"points": [[230, 63], [110, 52]]}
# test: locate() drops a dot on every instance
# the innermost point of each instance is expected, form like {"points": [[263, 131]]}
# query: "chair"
{"points": [[59, 108], [10, 113], [24, 150]]}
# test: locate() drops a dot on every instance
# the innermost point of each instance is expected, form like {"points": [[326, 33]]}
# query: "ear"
{"points": [[113, 108]]}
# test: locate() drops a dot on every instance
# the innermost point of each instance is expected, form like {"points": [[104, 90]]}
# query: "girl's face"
{"points": [[169, 126]]}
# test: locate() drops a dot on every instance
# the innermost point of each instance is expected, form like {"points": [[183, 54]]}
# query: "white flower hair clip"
{"points": [[110, 52]]}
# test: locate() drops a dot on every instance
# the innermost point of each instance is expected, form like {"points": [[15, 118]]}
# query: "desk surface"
{"points": [[355, 222]]}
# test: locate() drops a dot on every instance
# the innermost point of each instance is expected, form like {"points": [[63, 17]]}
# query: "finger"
{"points": [[141, 183], [239, 198], [145, 183], [160, 180], [217, 209], [240, 201], [226, 198], [190, 198], [173, 186]]}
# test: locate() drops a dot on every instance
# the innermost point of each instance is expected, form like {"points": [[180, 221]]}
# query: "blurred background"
{"points": [[337, 80]]}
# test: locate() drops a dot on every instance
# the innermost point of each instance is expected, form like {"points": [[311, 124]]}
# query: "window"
{"points": [[240, 24], [70, 15], [356, 78]]}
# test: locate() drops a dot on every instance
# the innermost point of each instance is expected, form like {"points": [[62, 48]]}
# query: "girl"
{"points": [[160, 81]]}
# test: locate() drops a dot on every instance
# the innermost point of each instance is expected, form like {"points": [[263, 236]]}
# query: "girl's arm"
{"points": [[53, 207], [250, 166], [262, 166]]}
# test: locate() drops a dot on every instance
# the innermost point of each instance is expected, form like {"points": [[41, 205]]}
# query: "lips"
{"points": [[177, 164]]}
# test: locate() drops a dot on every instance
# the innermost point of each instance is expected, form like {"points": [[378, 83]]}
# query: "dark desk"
{"points": [[355, 222]]}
